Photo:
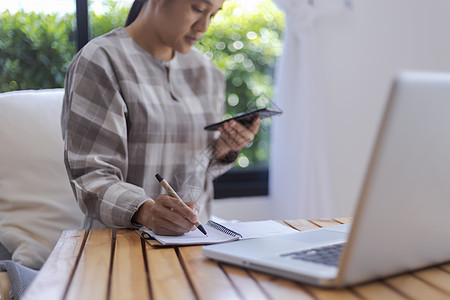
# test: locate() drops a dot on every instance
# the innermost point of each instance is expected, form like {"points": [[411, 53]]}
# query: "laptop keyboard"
{"points": [[328, 255]]}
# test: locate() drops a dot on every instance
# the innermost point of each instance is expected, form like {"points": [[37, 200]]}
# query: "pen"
{"points": [[172, 193]]}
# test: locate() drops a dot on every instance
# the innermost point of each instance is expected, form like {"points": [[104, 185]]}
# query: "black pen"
{"points": [[172, 193]]}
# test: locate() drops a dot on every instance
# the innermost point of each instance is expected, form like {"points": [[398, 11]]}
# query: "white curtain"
{"points": [[299, 180]]}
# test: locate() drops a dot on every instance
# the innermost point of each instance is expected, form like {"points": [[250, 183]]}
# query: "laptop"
{"points": [[401, 220]]}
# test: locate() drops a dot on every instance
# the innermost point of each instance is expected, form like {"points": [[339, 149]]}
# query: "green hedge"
{"points": [[36, 48]]}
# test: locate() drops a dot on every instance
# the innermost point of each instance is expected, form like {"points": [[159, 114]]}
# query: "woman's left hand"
{"points": [[234, 136]]}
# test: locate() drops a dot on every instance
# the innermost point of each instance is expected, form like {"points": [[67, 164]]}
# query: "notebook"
{"points": [[220, 233], [401, 220]]}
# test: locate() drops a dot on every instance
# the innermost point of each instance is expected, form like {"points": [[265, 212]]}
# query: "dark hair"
{"points": [[134, 11]]}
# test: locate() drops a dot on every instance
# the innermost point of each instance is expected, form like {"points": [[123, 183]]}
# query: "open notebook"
{"points": [[220, 233]]}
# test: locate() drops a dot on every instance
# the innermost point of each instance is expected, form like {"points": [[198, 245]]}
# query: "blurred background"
{"points": [[358, 51], [38, 41]]}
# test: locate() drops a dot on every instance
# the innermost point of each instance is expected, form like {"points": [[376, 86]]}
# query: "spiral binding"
{"points": [[223, 229]]}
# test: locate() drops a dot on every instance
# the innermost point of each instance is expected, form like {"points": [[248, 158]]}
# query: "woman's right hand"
{"points": [[166, 216]]}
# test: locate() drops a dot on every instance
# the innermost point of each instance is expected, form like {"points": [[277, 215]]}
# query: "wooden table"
{"points": [[109, 264]]}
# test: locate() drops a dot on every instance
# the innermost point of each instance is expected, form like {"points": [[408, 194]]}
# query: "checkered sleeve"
{"points": [[219, 167], [95, 129]]}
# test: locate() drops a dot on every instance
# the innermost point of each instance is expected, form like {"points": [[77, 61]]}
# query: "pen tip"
{"points": [[202, 229], [159, 177]]}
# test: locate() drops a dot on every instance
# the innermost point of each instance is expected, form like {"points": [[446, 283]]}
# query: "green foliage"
{"points": [[114, 17], [35, 50], [245, 45]]}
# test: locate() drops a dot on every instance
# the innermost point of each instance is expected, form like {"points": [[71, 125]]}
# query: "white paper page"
{"points": [[248, 230], [194, 237], [255, 229]]}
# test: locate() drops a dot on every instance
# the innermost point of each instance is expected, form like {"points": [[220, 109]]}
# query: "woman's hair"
{"points": [[134, 11]]}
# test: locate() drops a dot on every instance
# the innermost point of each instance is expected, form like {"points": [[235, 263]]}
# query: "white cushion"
{"points": [[36, 201]]}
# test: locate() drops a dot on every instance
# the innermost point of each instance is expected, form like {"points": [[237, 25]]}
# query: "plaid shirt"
{"points": [[127, 116]]}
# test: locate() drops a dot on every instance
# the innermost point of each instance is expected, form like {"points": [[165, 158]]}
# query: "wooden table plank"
{"points": [[96, 252], [332, 294], [129, 278], [445, 267], [168, 280], [246, 286], [278, 288], [377, 290], [324, 222], [55, 275], [344, 220], [208, 280], [435, 277], [415, 288], [301, 224]]}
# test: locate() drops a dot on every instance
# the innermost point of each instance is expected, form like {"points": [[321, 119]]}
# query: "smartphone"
{"points": [[247, 117]]}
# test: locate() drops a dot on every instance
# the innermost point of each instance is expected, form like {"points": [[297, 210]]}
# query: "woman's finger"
{"points": [[238, 136], [175, 216]]}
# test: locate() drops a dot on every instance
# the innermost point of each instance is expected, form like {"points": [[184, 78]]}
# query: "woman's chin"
{"points": [[185, 49]]}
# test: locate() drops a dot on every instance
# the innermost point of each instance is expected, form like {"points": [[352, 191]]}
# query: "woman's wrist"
{"points": [[228, 158], [143, 215], [223, 153]]}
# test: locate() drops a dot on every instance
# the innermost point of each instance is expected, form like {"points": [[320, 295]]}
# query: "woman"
{"points": [[136, 101]]}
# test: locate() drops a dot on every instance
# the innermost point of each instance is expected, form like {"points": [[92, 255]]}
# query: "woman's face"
{"points": [[179, 24]]}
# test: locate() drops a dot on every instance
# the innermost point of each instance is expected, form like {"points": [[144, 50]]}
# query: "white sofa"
{"points": [[36, 201]]}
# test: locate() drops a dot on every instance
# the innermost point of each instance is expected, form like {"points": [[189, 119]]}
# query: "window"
{"points": [[244, 40]]}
